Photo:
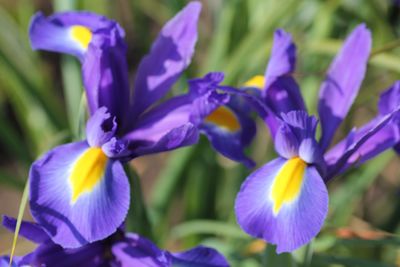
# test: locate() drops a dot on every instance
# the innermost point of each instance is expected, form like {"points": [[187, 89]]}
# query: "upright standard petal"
{"points": [[170, 54], [77, 194], [281, 92], [285, 202], [105, 75], [342, 82]]}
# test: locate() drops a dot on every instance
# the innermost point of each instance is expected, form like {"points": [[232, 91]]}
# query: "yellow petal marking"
{"points": [[87, 172], [82, 35], [224, 118], [287, 184], [257, 81]]}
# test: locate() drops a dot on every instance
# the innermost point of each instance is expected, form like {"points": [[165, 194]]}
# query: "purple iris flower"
{"points": [[285, 202], [79, 192], [121, 249]]}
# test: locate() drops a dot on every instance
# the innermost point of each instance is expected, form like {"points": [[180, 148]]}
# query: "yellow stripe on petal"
{"points": [[87, 172], [224, 118], [257, 81], [287, 184], [82, 35]]}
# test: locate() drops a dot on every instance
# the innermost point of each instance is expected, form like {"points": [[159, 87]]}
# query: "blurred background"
{"points": [[189, 193]]}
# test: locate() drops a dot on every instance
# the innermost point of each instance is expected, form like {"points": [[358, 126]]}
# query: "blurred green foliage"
{"points": [[192, 200]]}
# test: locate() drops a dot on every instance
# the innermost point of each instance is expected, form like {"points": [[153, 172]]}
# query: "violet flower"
{"points": [[285, 202], [79, 192]]}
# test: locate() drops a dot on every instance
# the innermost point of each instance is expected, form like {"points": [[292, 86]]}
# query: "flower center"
{"points": [[82, 35], [224, 118], [287, 184], [87, 172]]}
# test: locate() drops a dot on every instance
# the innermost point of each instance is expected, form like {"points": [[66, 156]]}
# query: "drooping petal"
{"points": [[199, 256], [29, 230], [281, 92], [285, 202], [361, 145], [170, 54], [77, 194], [68, 32], [342, 82]]}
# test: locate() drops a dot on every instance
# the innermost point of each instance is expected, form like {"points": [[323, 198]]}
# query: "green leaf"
{"points": [[207, 227], [21, 210]]}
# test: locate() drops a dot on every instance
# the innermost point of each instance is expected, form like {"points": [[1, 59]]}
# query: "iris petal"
{"points": [[94, 215], [170, 54], [342, 82], [299, 219]]}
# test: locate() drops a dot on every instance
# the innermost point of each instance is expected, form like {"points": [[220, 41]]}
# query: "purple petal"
{"points": [[291, 137], [170, 54], [296, 222], [5, 261], [54, 33], [199, 257], [105, 75], [50, 254], [343, 81], [74, 220], [230, 129], [282, 94], [363, 144], [390, 99], [271, 120], [100, 128], [138, 251], [185, 135], [175, 122], [29, 230]]}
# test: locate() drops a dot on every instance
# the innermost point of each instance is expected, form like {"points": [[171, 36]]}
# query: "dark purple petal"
{"points": [[342, 82], [105, 75], [50, 254], [170, 54], [281, 92], [299, 218], [363, 144], [100, 128], [199, 256], [29, 230], [138, 251], [71, 209]]}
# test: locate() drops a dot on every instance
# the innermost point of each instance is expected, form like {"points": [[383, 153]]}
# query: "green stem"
{"points": [[137, 220]]}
